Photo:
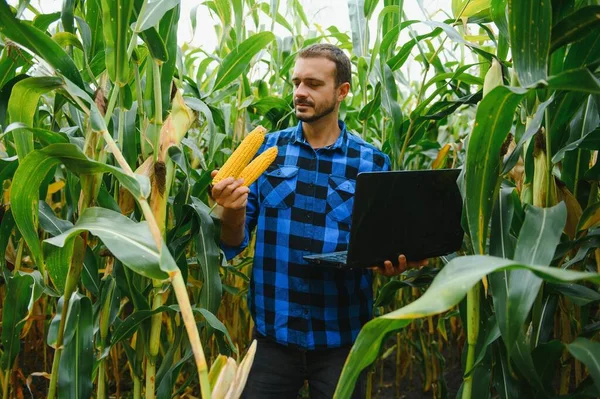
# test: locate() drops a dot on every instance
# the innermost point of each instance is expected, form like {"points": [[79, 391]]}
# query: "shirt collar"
{"points": [[341, 143]]}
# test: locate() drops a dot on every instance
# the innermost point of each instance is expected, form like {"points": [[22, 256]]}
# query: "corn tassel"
{"points": [[242, 155], [258, 166]]}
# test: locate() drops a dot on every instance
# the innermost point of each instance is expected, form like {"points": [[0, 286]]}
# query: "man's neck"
{"points": [[323, 132]]}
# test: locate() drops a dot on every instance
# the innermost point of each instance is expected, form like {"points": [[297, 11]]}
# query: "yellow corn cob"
{"points": [[258, 166], [242, 155]]}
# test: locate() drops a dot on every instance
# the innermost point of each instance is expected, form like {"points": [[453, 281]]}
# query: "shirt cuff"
{"points": [[232, 251]]}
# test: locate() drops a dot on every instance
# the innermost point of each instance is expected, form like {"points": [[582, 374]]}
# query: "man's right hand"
{"points": [[230, 193]]}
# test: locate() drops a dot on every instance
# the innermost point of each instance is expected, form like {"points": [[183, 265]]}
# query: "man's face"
{"points": [[315, 91]]}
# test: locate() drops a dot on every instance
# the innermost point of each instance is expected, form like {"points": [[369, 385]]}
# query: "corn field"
{"points": [[111, 276]]}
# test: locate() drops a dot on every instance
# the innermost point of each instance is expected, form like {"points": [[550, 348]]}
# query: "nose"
{"points": [[300, 91]]}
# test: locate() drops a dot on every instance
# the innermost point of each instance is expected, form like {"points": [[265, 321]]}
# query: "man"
{"points": [[306, 317]]}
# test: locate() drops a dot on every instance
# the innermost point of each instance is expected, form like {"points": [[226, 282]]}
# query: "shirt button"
{"points": [[305, 311]]}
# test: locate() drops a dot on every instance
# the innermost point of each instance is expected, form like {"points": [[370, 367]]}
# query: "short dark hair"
{"points": [[333, 53]]}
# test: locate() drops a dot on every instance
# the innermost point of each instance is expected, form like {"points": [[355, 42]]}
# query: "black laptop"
{"points": [[415, 213]]}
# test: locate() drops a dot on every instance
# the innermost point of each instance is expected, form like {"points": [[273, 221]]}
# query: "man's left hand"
{"points": [[389, 270]]}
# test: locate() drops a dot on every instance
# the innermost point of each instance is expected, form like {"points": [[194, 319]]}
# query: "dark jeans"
{"points": [[278, 372]]}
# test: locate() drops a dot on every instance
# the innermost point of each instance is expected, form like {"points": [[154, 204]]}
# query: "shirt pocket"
{"points": [[340, 198], [278, 188]]}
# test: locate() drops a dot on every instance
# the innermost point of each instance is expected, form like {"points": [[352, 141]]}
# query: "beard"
{"points": [[319, 111]]}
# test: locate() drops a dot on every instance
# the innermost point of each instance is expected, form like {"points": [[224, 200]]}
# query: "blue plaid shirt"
{"points": [[302, 205]]}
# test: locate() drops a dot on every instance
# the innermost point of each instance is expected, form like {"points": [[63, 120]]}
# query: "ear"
{"points": [[343, 90]]}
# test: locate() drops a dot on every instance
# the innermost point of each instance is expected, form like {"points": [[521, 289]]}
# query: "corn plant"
{"points": [[528, 323], [99, 249]]}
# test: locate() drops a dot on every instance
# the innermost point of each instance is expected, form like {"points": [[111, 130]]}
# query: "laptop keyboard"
{"points": [[336, 257]]}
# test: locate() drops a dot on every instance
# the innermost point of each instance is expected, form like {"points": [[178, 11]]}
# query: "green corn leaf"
{"points": [[153, 13], [8, 166], [116, 15], [23, 105], [457, 37], [372, 106], [492, 123], [12, 58], [498, 13], [65, 39], [447, 289], [538, 238], [401, 56], [58, 262], [584, 53], [470, 8], [585, 122], [277, 17], [530, 25], [238, 14], [33, 170], [546, 357], [39, 43], [576, 26], [166, 377], [66, 16], [93, 16], [46, 137], [50, 223], [590, 217], [238, 60], [43, 21], [6, 227], [579, 80], [413, 278], [20, 295], [521, 357], [86, 37], [579, 294], [505, 383], [491, 332], [588, 353], [77, 360], [370, 6], [532, 129], [223, 8], [130, 325], [208, 254], [128, 241], [96, 119], [502, 243], [168, 32], [156, 45], [358, 23], [169, 365]]}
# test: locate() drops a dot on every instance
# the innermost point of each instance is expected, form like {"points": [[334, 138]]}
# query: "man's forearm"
{"points": [[233, 226]]}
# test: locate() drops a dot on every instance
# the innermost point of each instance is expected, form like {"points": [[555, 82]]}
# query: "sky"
{"points": [[324, 13]]}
